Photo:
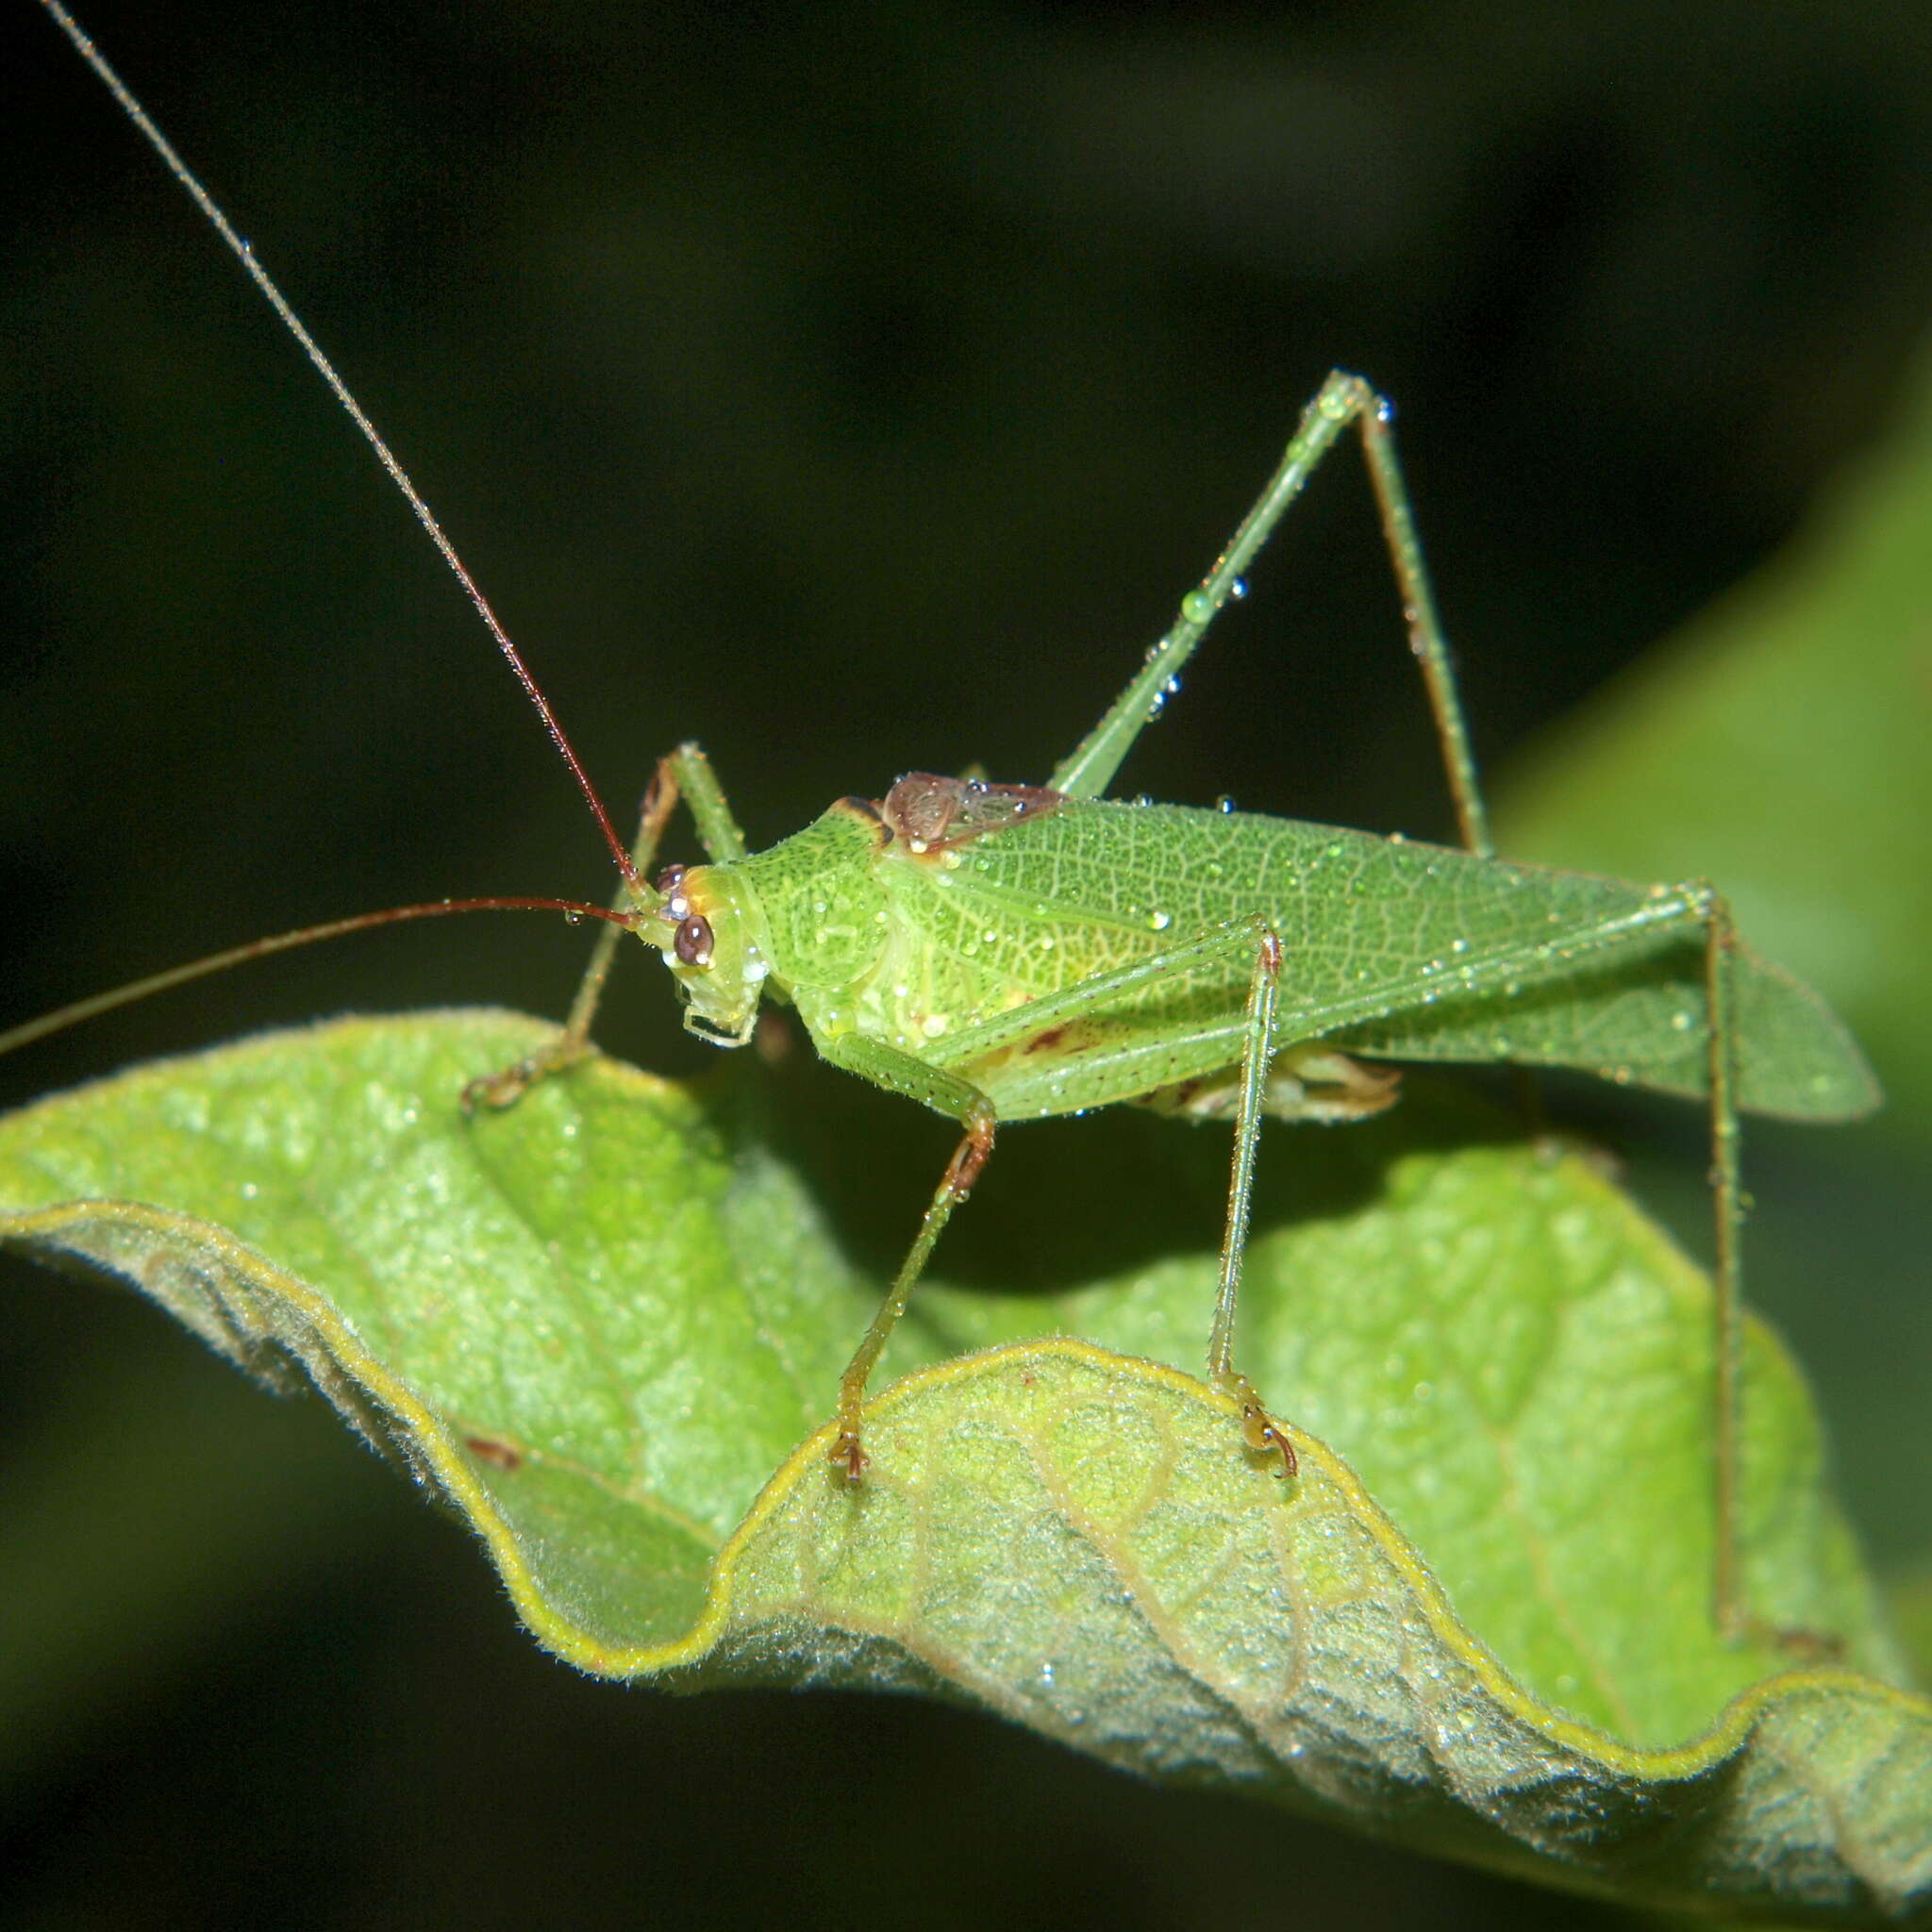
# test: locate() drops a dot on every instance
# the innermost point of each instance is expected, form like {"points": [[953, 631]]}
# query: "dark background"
{"points": [[854, 389]]}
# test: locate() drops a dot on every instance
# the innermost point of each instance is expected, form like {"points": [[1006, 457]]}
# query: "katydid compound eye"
{"points": [[671, 878], [694, 942]]}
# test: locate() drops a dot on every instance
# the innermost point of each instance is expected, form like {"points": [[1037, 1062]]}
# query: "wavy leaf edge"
{"points": [[452, 1470]]}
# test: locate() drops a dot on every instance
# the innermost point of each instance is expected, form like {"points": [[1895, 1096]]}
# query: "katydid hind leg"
{"points": [[1729, 1599], [1731, 1608], [1270, 1018], [1261, 1431], [685, 773], [1343, 400]]}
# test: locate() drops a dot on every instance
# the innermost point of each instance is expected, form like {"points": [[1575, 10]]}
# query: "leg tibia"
{"points": [[900, 1072], [1343, 400]]}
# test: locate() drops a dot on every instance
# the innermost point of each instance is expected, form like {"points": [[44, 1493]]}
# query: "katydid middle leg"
{"points": [[976, 1109], [685, 773], [901, 1073]]}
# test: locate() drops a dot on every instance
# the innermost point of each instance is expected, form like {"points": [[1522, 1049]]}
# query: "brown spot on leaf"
{"points": [[498, 1455]]}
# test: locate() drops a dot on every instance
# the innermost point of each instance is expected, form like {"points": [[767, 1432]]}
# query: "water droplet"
{"points": [[1160, 920], [1224, 804], [1197, 607], [1239, 588], [573, 917], [1334, 405], [933, 1026], [1458, 945], [915, 844]]}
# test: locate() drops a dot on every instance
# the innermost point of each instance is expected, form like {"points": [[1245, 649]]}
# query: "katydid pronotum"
{"points": [[1007, 952]]}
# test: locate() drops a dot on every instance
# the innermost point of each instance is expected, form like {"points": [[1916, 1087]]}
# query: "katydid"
{"points": [[1007, 952]]}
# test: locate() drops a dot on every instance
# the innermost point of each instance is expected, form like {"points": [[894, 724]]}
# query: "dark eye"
{"points": [[694, 942], [671, 878]]}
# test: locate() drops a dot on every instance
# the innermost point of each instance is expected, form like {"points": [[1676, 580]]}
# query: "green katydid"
{"points": [[1006, 952]]}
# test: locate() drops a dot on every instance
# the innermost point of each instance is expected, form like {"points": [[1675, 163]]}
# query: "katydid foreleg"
{"points": [[685, 773]]}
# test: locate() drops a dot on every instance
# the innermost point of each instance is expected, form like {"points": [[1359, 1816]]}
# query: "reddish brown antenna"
{"points": [[398, 475], [61, 1017]]}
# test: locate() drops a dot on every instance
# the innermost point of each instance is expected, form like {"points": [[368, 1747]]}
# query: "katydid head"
{"points": [[703, 926]]}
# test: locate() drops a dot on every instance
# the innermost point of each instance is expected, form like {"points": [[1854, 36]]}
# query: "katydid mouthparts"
{"points": [[1008, 952]]}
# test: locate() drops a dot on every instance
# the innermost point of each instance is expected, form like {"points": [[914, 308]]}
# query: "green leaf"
{"points": [[608, 1325], [1778, 745]]}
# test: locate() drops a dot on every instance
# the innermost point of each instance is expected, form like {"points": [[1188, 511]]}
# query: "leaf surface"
{"points": [[608, 1324]]}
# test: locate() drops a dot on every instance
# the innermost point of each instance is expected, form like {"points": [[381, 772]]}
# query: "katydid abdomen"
{"points": [[1390, 949]]}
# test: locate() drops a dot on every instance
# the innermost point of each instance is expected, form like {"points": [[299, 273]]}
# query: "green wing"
{"points": [[1355, 912]]}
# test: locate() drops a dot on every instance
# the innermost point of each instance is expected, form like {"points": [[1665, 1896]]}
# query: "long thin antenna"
{"points": [[63, 1017], [398, 475]]}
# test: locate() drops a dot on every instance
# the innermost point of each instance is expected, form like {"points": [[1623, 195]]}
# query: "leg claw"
{"points": [[1266, 1437], [847, 1454], [498, 1089]]}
